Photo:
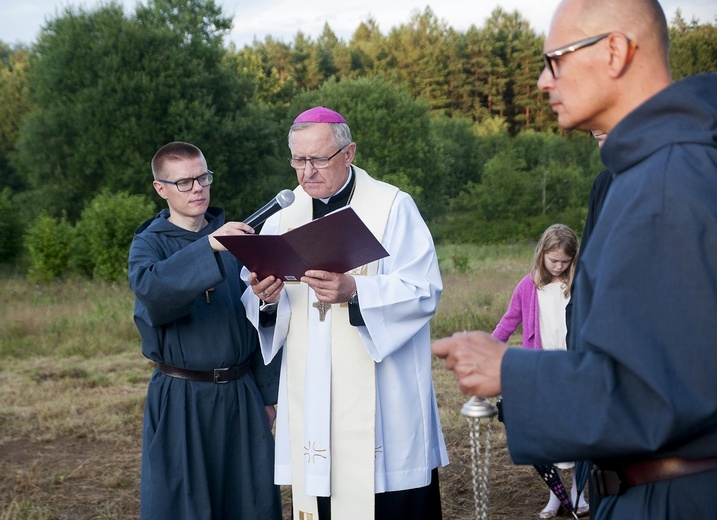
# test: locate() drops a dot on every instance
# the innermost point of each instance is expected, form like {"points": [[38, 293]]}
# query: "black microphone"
{"points": [[284, 199]]}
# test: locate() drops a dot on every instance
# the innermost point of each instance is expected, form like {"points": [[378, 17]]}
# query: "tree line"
{"points": [[454, 118]]}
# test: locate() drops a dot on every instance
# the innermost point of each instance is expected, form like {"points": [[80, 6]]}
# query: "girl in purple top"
{"points": [[538, 302]]}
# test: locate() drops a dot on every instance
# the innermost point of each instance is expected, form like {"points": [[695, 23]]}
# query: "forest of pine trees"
{"points": [[454, 118]]}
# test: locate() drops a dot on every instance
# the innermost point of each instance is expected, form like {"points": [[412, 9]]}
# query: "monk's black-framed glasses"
{"points": [[203, 180]]}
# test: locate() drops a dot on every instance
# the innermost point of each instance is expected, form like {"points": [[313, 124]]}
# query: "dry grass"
{"points": [[73, 381], [477, 298], [76, 317], [70, 437]]}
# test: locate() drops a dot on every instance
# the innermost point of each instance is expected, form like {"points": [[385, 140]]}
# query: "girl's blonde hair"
{"points": [[556, 237]]}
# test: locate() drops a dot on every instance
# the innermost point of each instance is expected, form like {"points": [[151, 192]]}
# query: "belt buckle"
{"points": [[221, 375], [608, 482]]}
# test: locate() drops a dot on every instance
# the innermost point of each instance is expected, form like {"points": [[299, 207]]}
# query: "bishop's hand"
{"points": [[330, 287], [268, 290]]}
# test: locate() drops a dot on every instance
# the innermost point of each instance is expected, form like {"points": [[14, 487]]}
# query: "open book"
{"points": [[338, 242]]}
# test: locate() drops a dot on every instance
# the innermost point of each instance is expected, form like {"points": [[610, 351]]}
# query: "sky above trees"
{"points": [[21, 21]]}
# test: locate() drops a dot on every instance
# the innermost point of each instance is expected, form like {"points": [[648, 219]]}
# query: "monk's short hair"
{"points": [[174, 151]]}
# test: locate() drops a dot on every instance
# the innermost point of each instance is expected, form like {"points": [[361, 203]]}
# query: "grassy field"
{"points": [[73, 381]]}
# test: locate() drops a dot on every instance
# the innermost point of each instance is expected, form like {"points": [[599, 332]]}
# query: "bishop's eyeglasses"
{"points": [[299, 163], [182, 185]]}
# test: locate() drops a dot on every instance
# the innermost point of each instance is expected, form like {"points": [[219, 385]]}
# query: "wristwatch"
{"points": [[354, 298]]}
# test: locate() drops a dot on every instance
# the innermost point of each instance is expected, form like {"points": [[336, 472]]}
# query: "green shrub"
{"points": [[81, 261], [105, 231], [460, 263], [49, 242]]}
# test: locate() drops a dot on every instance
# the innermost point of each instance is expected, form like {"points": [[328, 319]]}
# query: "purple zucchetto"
{"points": [[319, 115]]}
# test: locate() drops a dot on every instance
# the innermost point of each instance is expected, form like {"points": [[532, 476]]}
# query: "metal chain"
{"points": [[480, 464]]}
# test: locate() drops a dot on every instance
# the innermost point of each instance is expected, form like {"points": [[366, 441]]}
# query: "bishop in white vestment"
{"points": [[358, 432]]}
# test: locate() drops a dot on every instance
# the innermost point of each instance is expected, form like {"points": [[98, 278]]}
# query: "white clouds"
{"points": [[283, 19]]}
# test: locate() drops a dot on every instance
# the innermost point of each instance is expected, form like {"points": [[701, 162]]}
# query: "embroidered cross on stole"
{"points": [[323, 308]]}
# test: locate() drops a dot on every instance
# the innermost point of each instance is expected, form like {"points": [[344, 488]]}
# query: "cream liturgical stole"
{"points": [[331, 380]]}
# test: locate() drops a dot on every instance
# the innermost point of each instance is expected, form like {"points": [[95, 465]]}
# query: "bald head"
{"points": [[641, 20], [596, 85]]}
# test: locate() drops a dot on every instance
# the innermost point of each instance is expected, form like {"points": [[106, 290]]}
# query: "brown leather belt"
{"points": [[616, 481], [218, 375]]}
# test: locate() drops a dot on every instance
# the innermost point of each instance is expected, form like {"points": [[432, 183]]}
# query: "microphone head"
{"points": [[285, 198]]}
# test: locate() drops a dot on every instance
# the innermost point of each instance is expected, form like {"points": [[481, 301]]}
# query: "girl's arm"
{"points": [[514, 315]]}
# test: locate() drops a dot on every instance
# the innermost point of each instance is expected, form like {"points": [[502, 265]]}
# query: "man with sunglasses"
{"points": [[207, 445], [358, 434], [636, 394]]}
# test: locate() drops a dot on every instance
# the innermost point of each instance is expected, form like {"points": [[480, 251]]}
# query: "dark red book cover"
{"points": [[338, 242]]}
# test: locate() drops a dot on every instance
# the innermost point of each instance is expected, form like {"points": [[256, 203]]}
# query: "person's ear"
{"points": [[160, 189], [350, 153], [622, 50]]}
